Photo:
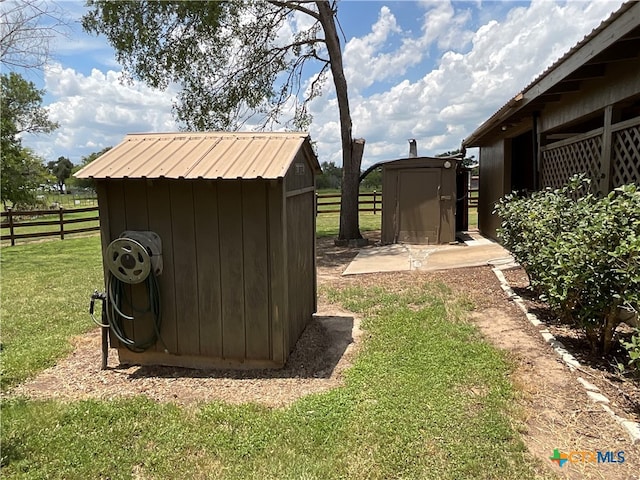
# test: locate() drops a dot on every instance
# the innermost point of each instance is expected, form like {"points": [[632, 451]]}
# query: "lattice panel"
{"points": [[560, 163], [625, 166]]}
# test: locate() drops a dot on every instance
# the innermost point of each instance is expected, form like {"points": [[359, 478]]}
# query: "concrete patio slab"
{"points": [[474, 251], [466, 256], [386, 258]]}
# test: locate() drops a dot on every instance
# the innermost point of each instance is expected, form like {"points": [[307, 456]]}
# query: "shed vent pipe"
{"points": [[413, 148]]}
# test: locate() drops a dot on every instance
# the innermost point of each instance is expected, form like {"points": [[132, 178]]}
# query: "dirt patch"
{"points": [[602, 372], [324, 350], [555, 410], [557, 413]]}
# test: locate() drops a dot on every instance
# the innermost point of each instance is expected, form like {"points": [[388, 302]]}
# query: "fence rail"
{"points": [[369, 202], [330, 202], [15, 219]]}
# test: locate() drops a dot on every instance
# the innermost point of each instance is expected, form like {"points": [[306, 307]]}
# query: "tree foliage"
{"points": [[331, 176], [373, 181], [86, 182], [228, 58], [22, 173], [22, 112], [237, 62], [61, 169]]}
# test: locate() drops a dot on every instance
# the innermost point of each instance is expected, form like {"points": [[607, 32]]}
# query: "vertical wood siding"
{"points": [[232, 269], [205, 195], [278, 271], [160, 221], [300, 173], [256, 270], [238, 282], [185, 267], [300, 263], [494, 184]]}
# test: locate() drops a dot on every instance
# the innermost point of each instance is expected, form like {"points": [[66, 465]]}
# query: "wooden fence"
{"points": [[330, 202], [15, 219], [369, 202]]}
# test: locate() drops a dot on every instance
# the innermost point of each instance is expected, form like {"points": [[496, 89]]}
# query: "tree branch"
{"points": [[296, 6]]}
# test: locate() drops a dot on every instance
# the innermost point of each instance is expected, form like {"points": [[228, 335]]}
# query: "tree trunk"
{"points": [[351, 150], [349, 215], [610, 324]]}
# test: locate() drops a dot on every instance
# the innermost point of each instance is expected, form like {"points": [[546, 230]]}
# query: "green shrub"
{"points": [[633, 349], [581, 252]]}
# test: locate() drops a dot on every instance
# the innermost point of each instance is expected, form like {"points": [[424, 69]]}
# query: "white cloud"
{"points": [[97, 110], [437, 84], [364, 63], [464, 88]]}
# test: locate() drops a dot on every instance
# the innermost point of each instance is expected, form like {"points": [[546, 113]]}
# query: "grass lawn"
{"points": [[426, 397], [327, 224], [44, 301]]}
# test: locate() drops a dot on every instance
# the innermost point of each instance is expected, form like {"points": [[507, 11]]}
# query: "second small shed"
{"points": [[236, 216], [419, 203]]}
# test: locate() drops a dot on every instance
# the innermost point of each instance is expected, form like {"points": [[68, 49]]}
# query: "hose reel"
{"points": [[128, 260], [135, 257]]}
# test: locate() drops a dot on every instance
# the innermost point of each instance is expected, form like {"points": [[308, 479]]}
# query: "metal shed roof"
{"points": [[205, 155]]}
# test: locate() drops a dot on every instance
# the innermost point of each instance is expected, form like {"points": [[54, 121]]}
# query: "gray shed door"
{"points": [[418, 209]]}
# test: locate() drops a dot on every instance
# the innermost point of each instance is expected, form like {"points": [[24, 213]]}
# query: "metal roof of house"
{"points": [[584, 60], [202, 155]]}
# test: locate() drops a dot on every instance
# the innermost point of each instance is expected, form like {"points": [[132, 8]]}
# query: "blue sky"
{"points": [[429, 70]]}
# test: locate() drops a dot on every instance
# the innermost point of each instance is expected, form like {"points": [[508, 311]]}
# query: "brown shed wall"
{"points": [[227, 266], [419, 201], [495, 182], [300, 246]]}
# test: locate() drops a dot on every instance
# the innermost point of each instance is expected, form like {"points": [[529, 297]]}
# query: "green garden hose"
{"points": [[116, 318]]}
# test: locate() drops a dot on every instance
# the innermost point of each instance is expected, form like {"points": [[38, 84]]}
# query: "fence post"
{"points": [[375, 202], [61, 222], [11, 233], [317, 206]]}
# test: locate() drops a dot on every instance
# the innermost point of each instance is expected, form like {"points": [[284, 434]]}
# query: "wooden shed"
{"points": [[236, 217], [419, 200], [581, 115]]}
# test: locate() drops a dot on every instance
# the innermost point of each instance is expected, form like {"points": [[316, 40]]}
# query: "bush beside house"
{"points": [[581, 252]]}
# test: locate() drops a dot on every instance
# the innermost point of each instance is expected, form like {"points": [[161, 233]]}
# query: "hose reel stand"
{"points": [[134, 257]]}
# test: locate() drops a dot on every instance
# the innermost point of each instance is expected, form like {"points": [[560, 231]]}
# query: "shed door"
{"points": [[418, 207]]}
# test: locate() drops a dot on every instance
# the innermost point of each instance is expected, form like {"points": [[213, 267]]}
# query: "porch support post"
{"points": [[604, 184], [536, 167]]}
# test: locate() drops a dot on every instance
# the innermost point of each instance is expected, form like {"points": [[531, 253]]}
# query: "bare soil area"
{"points": [[325, 349], [603, 372], [555, 412]]}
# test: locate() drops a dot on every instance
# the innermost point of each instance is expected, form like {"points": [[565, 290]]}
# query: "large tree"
{"points": [[84, 183], [235, 63], [22, 112], [61, 169]]}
